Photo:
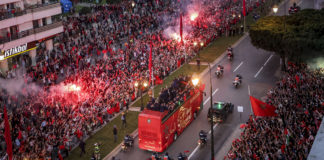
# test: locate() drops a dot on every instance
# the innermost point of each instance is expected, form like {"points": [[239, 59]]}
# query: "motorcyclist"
{"points": [[230, 52], [294, 5], [166, 156], [202, 138], [220, 68], [229, 49], [155, 156], [181, 156], [203, 135], [128, 140], [238, 78]]}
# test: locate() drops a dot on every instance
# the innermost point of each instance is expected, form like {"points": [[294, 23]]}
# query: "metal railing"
{"points": [[26, 33], [28, 9]]}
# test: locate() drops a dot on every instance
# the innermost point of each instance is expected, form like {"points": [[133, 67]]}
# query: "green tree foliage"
{"points": [[290, 36]]}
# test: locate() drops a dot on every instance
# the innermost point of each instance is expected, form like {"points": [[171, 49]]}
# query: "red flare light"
{"points": [[193, 16]]}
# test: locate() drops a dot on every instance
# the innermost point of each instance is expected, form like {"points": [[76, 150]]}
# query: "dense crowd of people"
{"points": [[101, 55], [299, 101]]}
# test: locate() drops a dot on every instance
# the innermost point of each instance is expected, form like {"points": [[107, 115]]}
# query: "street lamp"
{"points": [[275, 9], [140, 85], [211, 105], [201, 43], [195, 43], [133, 4], [195, 81]]}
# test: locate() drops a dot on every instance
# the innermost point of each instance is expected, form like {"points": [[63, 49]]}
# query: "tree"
{"points": [[292, 36]]}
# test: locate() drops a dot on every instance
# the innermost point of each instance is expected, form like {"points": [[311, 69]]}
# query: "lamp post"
{"points": [[140, 85], [212, 120], [211, 105]]}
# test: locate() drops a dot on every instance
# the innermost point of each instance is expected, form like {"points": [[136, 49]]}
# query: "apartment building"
{"points": [[25, 26]]}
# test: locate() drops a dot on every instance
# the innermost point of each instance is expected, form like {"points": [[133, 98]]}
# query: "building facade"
{"points": [[25, 26]]}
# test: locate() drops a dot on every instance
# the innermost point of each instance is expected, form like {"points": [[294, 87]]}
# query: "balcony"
{"points": [[8, 1], [31, 35], [31, 13]]}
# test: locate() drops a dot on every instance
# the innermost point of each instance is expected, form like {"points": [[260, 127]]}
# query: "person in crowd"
{"points": [[82, 147], [298, 98], [115, 133], [104, 53]]}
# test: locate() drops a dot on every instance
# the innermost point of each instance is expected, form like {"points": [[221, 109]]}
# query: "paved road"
{"points": [[260, 71]]}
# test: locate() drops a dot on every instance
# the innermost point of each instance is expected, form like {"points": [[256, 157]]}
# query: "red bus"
{"points": [[157, 130]]}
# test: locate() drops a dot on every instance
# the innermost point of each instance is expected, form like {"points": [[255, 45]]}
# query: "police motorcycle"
{"points": [[237, 81], [219, 72], [182, 156], [202, 138], [128, 143], [230, 54]]}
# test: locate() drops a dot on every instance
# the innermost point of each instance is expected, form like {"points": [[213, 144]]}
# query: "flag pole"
{"points": [[244, 25], [152, 75], [250, 100]]}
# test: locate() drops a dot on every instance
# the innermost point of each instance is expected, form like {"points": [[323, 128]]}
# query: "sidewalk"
{"points": [[228, 143]]}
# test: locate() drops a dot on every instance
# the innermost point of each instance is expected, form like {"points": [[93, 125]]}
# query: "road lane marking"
{"points": [[215, 91], [258, 72], [268, 60], [206, 100], [265, 63], [238, 66], [196, 149], [213, 128], [193, 152], [209, 96]]}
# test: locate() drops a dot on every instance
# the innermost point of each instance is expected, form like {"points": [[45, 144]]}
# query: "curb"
{"points": [[228, 142], [118, 148]]}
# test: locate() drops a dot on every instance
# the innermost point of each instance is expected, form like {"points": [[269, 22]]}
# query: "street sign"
{"points": [[240, 108]]}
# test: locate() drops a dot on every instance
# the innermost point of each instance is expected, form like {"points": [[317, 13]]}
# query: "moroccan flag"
{"points": [[262, 109], [244, 10], [150, 63], [158, 80], [181, 28], [7, 134]]}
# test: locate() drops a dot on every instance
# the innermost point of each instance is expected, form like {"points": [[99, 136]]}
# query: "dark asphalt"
{"points": [[250, 61]]}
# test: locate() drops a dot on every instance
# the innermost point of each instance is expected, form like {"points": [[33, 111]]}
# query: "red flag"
{"points": [[7, 134], [158, 80], [202, 87], [117, 108], [150, 63], [181, 28], [244, 12], [286, 131], [262, 109]]}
